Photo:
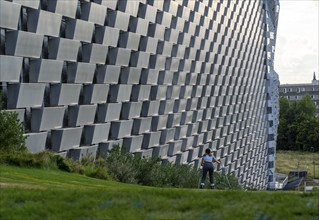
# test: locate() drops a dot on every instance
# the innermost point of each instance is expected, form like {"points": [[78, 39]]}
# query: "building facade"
{"points": [[160, 78], [295, 92], [272, 88]]}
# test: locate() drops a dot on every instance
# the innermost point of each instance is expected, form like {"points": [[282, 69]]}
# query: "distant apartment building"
{"points": [[297, 91]]}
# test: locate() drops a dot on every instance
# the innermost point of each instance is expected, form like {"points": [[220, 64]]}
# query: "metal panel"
{"points": [[10, 68], [43, 22], [25, 95], [23, 44], [9, 15]]}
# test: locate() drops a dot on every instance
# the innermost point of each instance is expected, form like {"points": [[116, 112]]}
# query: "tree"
{"points": [[308, 134], [306, 108], [11, 130], [298, 125]]}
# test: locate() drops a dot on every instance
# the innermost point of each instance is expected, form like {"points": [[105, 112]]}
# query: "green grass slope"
{"points": [[296, 160], [46, 194]]}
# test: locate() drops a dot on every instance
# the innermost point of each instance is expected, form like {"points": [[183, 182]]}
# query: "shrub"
{"points": [[49, 160], [227, 181], [45, 160], [95, 169], [64, 164], [125, 167], [120, 165], [23, 158], [11, 132], [183, 175], [148, 171], [16, 158]]}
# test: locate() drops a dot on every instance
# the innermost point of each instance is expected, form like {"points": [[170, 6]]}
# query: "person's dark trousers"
{"points": [[208, 168]]}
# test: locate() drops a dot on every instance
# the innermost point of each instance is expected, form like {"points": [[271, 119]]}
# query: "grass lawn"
{"points": [[288, 160], [45, 194]]}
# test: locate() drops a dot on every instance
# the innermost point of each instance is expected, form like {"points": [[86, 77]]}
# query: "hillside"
{"points": [[45, 194], [293, 160]]}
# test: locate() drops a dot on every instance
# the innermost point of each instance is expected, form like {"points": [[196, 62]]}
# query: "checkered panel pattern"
{"points": [[161, 78]]}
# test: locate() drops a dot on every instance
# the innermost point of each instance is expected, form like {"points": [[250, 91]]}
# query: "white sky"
{"points": [[296, 56]]}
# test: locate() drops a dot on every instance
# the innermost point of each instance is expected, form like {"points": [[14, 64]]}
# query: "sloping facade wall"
{"points": [[161, 78], [271, 20]]}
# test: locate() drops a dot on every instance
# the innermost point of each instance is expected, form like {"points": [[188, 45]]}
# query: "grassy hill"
{"points": [[293, 160], [45, 194]]}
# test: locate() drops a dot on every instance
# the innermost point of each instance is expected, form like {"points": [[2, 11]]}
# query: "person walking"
{"points": [[208, 167]]}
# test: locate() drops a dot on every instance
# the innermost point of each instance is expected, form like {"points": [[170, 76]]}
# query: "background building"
{"points": [[297, 91], [161, 78]]}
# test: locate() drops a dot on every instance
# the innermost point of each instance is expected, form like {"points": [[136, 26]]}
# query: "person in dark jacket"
{"points": [[208, 167]]}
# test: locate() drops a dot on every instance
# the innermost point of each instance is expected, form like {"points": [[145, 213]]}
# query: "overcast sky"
{"points": [[296, 56]]}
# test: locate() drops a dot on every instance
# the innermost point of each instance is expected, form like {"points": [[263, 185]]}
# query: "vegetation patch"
{"points": [[11, 131], [120, 166], [127, 168], [298, 128], [74, 196], [287, 161]]}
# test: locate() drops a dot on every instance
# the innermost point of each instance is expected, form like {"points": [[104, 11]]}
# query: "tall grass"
{"points": [[50, 161]]}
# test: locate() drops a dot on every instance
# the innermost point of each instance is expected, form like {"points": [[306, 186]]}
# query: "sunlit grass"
{"points": [[61, 195], [291, 160]]}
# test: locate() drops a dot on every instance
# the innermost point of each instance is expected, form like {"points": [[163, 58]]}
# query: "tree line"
{"points": [[298, 125]]}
